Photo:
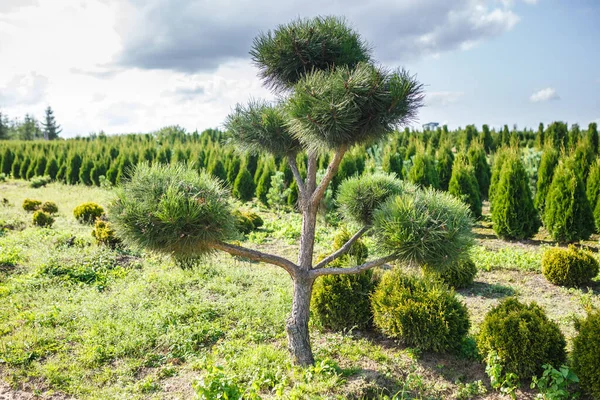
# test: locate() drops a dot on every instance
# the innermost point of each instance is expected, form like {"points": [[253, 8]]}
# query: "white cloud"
{"points": [[27, 89], [542, 95], [442, 98]]}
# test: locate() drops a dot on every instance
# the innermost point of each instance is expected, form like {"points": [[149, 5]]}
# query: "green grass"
{"points": [[97, 323]]}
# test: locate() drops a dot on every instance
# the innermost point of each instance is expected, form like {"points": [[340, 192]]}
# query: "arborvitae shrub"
{"points": [[217, 169], [463, 185], [50, 207], [568, 216], [40, 166], [592, 136], [545, 173], [42, 219], [16, 168], [233, 170], [421, 312], [513, 214], [24, 168], [497, 163], [124, 169], [277, 195], [478, 160], [264, 184], [586, 353], [98, 171], [523, 337], [423, 171], [61, 175], [73, 167], [105, 234], [88, 212], [52, 169], [445, 161], [243, 188], [31, 205], [569, 267], [458, 275], [392, 162], [583, 157], [593, 189], [343, 301]]}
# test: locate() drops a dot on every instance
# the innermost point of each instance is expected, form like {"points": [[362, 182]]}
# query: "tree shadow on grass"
{"points": [[487, 290]]}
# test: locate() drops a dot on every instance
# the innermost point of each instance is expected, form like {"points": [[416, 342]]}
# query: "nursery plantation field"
{"points": [[81, 320]]}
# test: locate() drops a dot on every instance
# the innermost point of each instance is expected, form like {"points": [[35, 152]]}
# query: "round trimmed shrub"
{"points": [[31, 205], [568, 216], [425, 227], [88, 212], [50, 207], [586, 353], [247, 221], [458, 275], [105, 234], [358, 251], [569, 267], [523, 337], [421, 312], [513, 214], [359, 196], [343, 301], [42, 219], [172, 209]]}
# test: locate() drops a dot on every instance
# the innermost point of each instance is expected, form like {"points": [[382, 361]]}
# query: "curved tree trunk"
{"points": [[297, 324]]}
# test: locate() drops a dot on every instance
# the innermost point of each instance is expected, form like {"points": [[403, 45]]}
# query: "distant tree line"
{"points": [[29, 128]]}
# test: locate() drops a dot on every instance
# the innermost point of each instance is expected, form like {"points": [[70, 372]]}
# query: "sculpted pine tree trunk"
{"points": [[297, 324]]}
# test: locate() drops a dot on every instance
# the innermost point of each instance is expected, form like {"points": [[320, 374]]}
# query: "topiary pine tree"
{"points": [[332, 98], [568, 216], [463, 184], [513, 214]]}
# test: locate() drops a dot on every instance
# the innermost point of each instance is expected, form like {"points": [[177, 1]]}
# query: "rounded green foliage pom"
{"points": [[513, 213], [458, 275], [286, 54], [172, 209], [50, 207], [421, 312], [359, 196], [31, 205], [464, 186], [88, 212], [569, 267], [424, 227], [42, 219], [586, 353], [568, 216], [523, 337]]}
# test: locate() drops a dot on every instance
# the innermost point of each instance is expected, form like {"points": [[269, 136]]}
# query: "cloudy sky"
{"points": [[137, 65]]}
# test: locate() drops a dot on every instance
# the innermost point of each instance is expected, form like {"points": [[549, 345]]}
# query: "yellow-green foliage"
{"points": [[50, 207], [31, 205], [421, 312], [569, 267], [342, 301], [105, 234], [247, 221], [458, 275], [523, 337], [586, 353], [43, 219], [88, 212]]}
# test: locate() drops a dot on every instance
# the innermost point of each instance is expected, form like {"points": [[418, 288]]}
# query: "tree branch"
{"points": [[255, 255], [329, 174], [342, 250], [354, 270], [297, 176]]}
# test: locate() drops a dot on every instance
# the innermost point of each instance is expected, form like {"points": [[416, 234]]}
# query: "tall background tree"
{"points": [[50, 128], [332, 97]]}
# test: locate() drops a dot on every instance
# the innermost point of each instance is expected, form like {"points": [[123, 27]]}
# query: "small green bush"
{"points": [[586, 353], [421, 312], [39, 181], [457, 275], [463, 184], [523, 337], [569, 267], [423, 171], [247, 221], [50, 207], [43, 219], [88, 212], [358, 251], [105, 234], [243, 187], [31, 205]]}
